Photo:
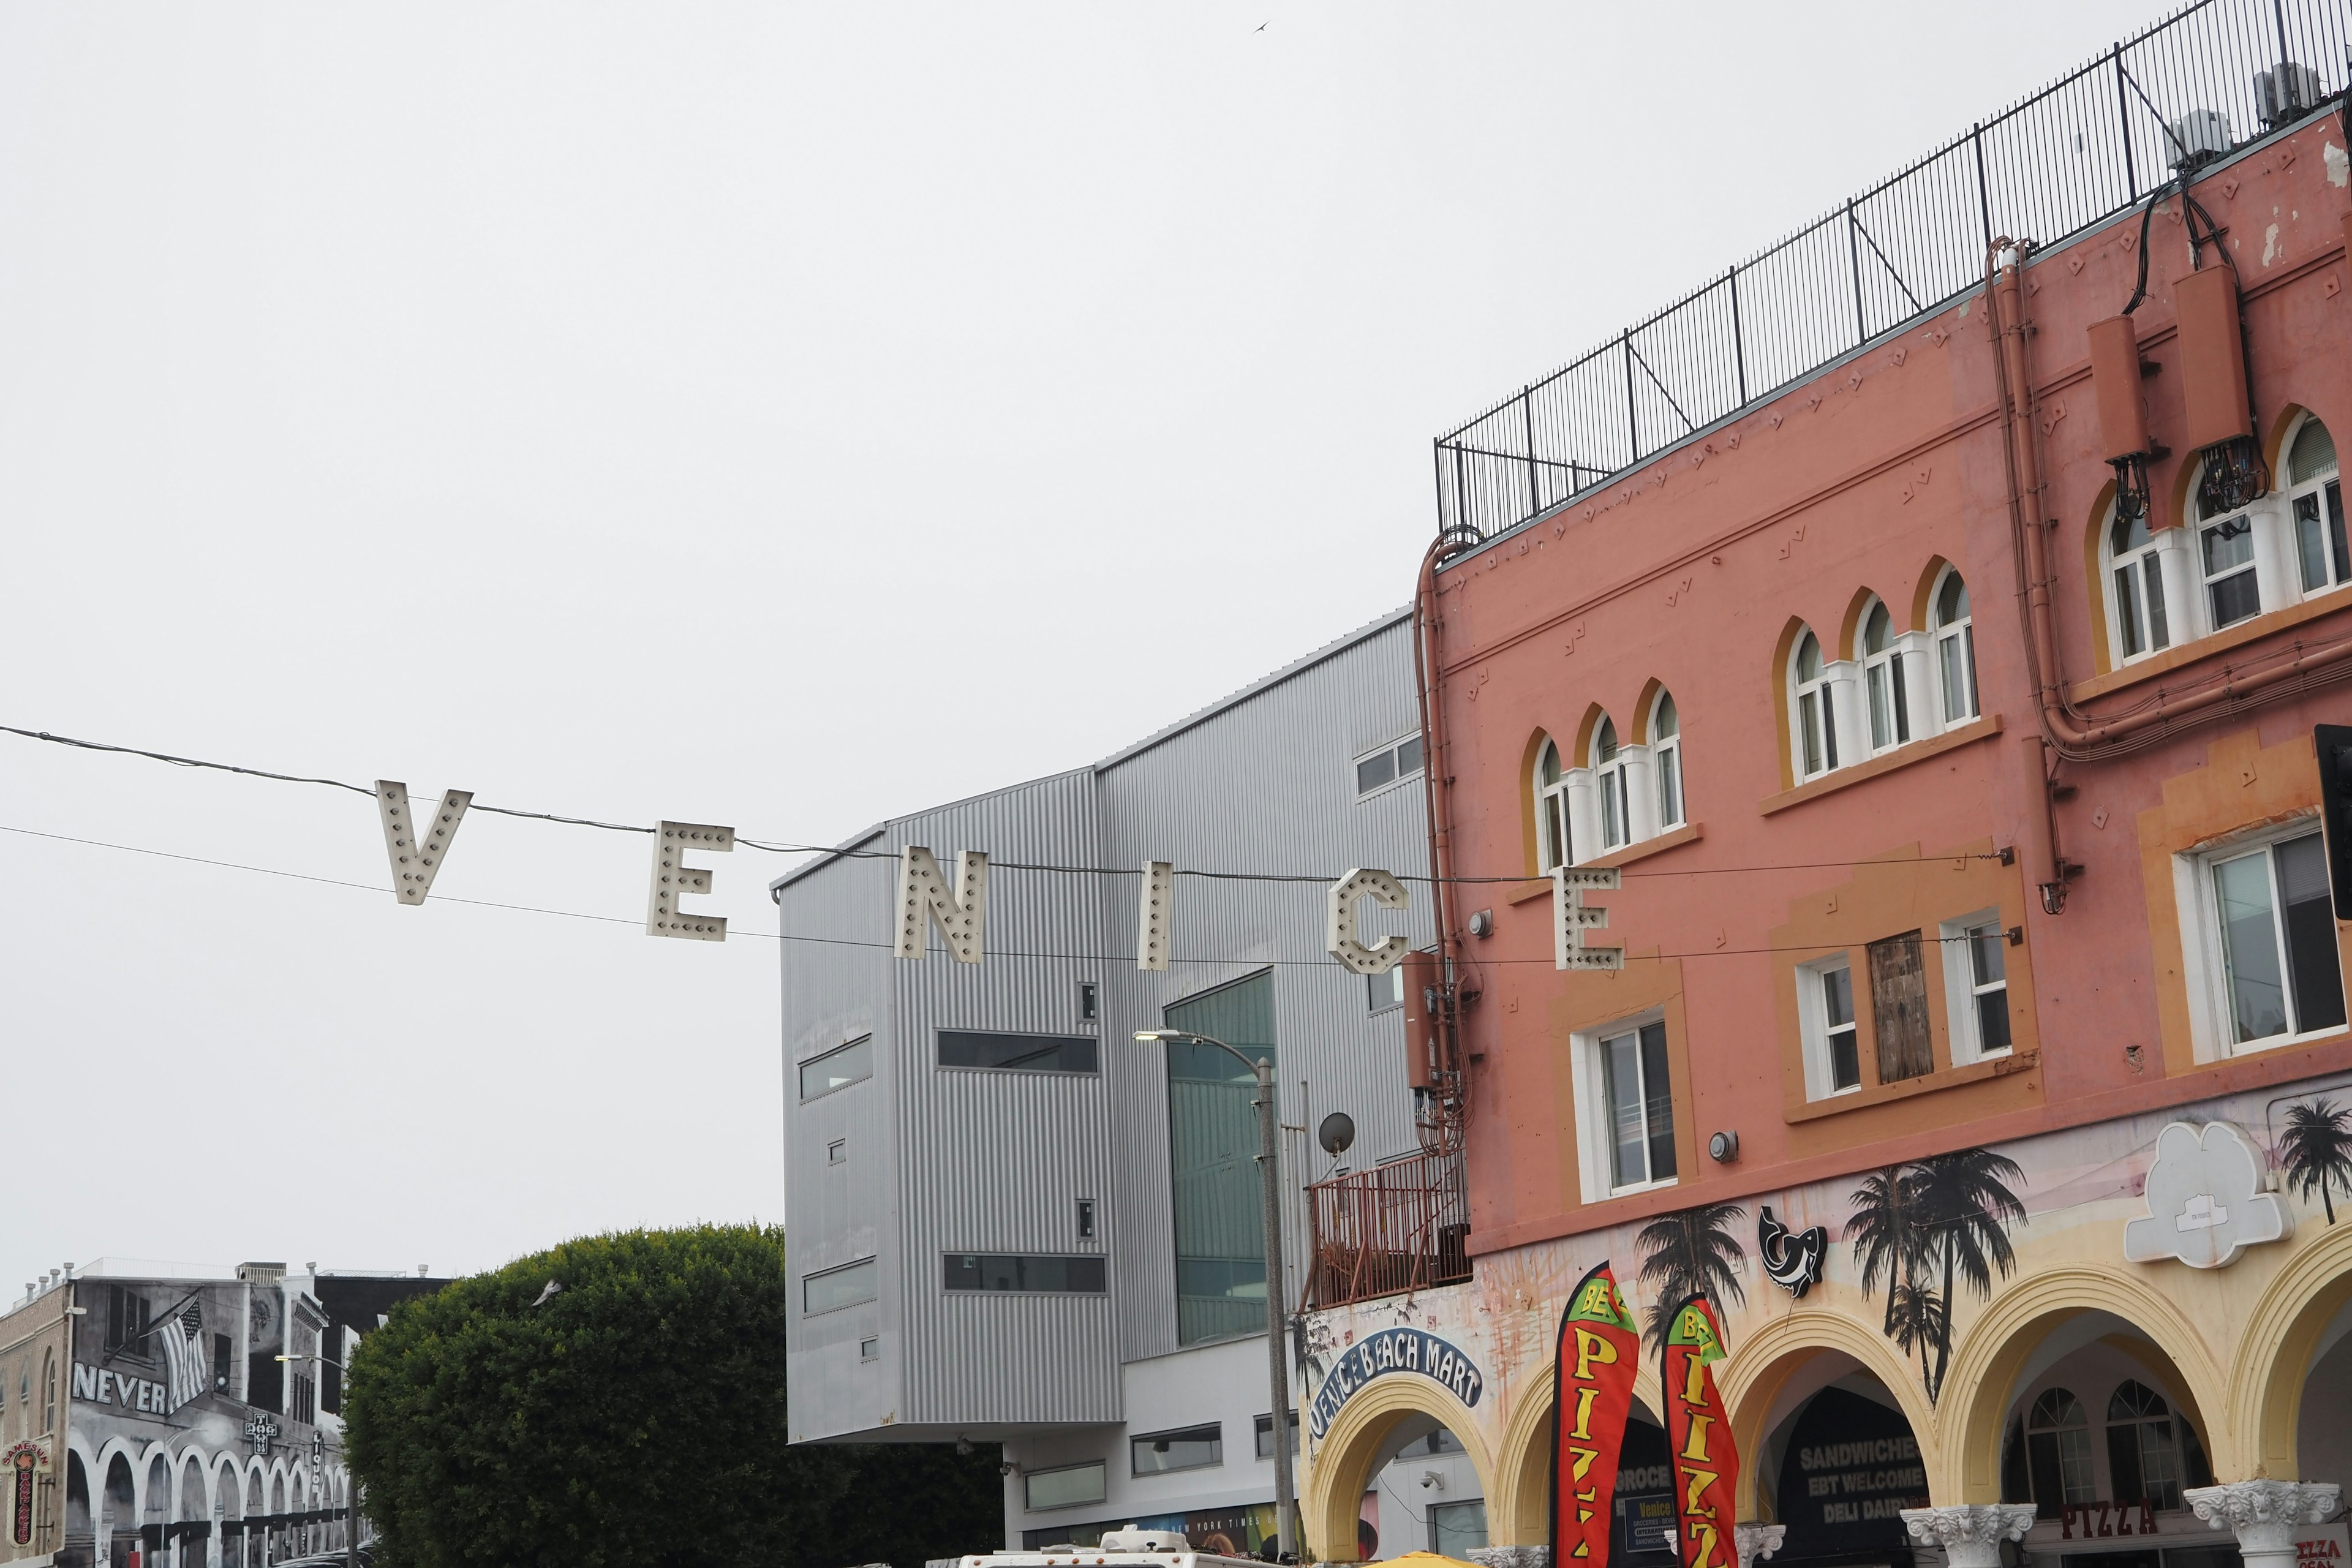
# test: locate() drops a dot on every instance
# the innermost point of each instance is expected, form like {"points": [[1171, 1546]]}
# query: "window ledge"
{"points": [[2204, 647], [1674, 838], [1917, 752], [1883, 1093], [2270, 1043]]}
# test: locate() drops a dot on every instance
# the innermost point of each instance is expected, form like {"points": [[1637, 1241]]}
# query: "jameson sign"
{"points": [[1392, 1350], [20, 1462]]}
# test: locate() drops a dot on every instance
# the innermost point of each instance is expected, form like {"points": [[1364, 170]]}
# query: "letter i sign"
{"points": [[1698, 1431]]}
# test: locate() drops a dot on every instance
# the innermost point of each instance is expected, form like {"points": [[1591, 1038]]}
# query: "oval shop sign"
{"points": [[1392, 1350]]}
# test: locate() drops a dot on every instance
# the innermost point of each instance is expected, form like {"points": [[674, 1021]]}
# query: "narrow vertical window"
{"points": [[2318, 500], [2138, 576], [1641, 1107], [1816, 724], [1956, 649], [2058, 1453], [2225, 547], [1844, 1055], [1609, 770], [1989, 985], [1882, 674], [1666, 756], [2143, 1455], [1552, 847]]}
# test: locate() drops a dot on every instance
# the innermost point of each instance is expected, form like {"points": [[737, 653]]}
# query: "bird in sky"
{"points": [[554, 1289]]}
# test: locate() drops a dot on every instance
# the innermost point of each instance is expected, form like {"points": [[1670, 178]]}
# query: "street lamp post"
{"points": [[1277, 1364], [351, 1490]]}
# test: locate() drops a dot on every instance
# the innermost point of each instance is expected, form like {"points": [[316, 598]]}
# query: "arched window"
{"points": [[2143, 1457], [50, 1390], [2317, 495], [1956, 649], [2058, 1452], [2137, 568], [1666, 756], [1881, 677], [1816, 724], [1552, 847], [2225, 560], [1609, 771]]}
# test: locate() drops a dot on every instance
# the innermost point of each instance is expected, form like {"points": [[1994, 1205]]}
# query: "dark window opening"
{"points": [[1016, 1053], [1193, 1448], [1024, 1271]]}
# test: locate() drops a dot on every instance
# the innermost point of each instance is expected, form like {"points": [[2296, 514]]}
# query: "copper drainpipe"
{"points": [[2073, 734], [1437, 789]]}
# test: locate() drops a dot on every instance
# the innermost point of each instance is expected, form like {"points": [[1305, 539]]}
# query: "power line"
{"points": [[1314, 879], [848, 941]]}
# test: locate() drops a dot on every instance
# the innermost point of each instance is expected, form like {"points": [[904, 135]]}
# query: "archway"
{"points": [[1379, 1445], [118, 1524], [2291, 1379], [80, 1531], [1520, 1512]]}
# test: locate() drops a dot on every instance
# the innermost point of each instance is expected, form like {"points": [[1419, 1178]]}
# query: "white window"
{"points": [[1625, 1094], [1393, 763], [1976, 986], [2316, 496], [1833, 1042], [1552, 847], [1609, 772], [1667, 758], [850, 1285], [1815, 738], [1385, 990], [2226, 560], [1881, 677], [2136, 569], [2271, 972], [1956, 649], [1065, 1486]]}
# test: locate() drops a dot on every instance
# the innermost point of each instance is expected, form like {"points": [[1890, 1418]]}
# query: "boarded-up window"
{"points": [[1898, 1008]]}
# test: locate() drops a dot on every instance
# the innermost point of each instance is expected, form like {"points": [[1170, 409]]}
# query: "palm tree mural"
{"points": [[1690, 1253], [1922, 1228], [2316, 1151]]}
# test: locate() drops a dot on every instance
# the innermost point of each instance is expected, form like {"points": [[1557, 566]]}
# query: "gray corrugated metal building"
{"points": [[1010, 1220]]}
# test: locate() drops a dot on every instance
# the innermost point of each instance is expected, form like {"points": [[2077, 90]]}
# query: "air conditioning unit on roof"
{"points": [[2202, 135], [2286, 92]]}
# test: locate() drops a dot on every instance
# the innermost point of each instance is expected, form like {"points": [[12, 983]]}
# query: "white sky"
{"points": [[778, 416]]}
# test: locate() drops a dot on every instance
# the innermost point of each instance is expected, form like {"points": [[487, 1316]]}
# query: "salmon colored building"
{"points": [[1969, 1020]]}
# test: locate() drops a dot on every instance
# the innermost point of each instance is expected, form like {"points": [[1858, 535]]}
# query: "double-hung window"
{"points": [[1817, 748], [2273, 923], [1638, 1092], [1377, 770], [1976, 986], [2317, 495], [1881, 675], [1666, 757], [2225, 558], [1833, 1038], [1552, 847], [1609, 766], [1956, 649]]}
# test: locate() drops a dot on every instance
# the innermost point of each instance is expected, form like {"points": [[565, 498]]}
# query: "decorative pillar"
{"points": [[1852, 716], [1923, 697], [1970, 1534], [1511, 1556], [2265, 1514], [1583, 817], [1757, 1542], [2183, 583], [1641, 794]]}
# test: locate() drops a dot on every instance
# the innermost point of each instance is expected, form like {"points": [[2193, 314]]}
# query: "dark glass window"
{"points": [[1264, 1426], [1016, 1053], [1023, 1271], [1193, 1448], [1214, 1138], [838, 1068]]}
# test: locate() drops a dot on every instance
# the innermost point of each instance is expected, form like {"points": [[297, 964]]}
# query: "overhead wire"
{"points": [[1318, 879]]}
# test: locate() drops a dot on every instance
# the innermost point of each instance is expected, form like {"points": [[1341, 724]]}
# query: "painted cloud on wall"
{"points": [[2205, 1200]]}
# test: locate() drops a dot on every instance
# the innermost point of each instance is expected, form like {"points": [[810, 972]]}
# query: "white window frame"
{"points": [[1589, 1084], [1961, 633], [1821, 691], [873, 1278], [2204, 969], [1613, 780], [1384, 991], [2137, 560], [1814, 1025], [1667, 763], [1962, 990], [2314, 486], [1882, 672], [1555, 834], [1398, 775], [1030, 1477]]}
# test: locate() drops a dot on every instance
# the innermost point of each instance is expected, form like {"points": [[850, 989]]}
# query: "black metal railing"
{"points": [[1401, 1227], [2201, 83]]}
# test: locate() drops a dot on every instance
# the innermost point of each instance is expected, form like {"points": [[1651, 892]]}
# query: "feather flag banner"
{"points": [[1599, 1352], [1698, 1431]]}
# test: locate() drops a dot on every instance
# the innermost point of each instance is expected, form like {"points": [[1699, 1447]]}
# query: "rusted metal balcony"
{"points": [[1401, 1227]]}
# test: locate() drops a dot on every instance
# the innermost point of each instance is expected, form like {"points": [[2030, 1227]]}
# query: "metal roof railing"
{"points": [[2194, 86]]}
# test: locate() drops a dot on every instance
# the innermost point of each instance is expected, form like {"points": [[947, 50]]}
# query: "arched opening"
{"points": [[257, 1521], [228, 1516], [1402, 1468], [81, 1538], [1644, 1509], [191, 1516], [117, 1525], [1836, 1462], [155, 1521]]}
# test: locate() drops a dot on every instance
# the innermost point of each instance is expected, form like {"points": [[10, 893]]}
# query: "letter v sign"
{"points": [[416, 855]]}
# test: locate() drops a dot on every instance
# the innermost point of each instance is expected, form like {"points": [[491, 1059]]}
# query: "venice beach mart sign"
{"points": [[1394, 1350]]}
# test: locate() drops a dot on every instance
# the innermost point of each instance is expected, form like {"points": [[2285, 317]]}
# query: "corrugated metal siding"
{"points": [[996, 1161]]}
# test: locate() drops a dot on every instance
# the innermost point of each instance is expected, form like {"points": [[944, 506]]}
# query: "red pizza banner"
{"points": [[1698, 1432], [1598, 1353]]}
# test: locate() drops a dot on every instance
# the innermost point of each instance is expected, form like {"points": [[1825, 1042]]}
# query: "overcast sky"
{"points": [[775, 416]]}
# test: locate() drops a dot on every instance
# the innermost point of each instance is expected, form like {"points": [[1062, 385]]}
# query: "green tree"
{"points": [[2316, 1150], [635, 1417], [1690, 1252]]}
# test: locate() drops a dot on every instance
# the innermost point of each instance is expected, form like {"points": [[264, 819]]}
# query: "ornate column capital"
{"points": [[2265, 1514], [1511, 1556], [1969, 1533], [1757, 1542]]}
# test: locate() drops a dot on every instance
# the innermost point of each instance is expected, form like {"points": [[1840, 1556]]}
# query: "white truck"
{"points": [[1128, 1548]]}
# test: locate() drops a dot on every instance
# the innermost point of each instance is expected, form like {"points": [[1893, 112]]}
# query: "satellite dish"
{"points": [[1336, 1134]]}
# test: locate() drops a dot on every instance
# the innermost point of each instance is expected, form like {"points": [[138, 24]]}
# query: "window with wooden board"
{"points": [[1898, 1008]]}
